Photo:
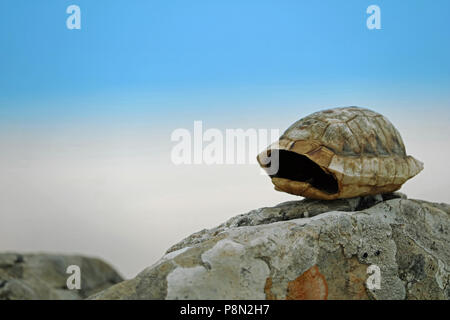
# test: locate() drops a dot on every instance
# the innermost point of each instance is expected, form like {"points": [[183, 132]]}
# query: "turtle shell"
{"points": [[339, 153]]}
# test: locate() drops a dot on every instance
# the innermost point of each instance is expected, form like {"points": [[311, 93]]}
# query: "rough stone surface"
{"points": [[308, 249], [43, 276]]}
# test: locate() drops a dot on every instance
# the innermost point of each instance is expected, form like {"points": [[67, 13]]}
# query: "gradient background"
{"points": [[86, 115]]}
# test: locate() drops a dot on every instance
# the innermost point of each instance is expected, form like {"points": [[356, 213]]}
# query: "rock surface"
{"points": [[43, 276], [308, 249]]}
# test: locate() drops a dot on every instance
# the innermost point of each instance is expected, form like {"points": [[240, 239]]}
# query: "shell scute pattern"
{"points": [[358, 147]]}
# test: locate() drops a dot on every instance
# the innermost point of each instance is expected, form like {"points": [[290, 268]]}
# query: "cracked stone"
{"points": [[308, 249]]}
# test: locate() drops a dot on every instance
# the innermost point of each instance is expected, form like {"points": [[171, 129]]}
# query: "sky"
{"points": [[86, 115]]}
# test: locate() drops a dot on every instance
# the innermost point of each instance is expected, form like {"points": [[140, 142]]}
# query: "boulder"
{"points": [[44, 277], [376, 247]]}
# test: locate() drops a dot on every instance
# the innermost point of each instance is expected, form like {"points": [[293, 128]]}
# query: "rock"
{"points": [[43, 276], [308, 249]]}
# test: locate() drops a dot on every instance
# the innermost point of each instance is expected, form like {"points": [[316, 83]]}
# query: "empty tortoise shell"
{"points": [[340, 153]]}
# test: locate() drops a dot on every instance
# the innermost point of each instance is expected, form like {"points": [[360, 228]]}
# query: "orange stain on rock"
{"points": [[268, 290], [311, 285]]}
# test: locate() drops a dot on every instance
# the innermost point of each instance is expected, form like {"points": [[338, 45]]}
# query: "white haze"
{"points": [[116, 195]]}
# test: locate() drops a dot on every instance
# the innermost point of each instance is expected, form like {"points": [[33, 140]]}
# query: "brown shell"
{"points": [[340, 153]]}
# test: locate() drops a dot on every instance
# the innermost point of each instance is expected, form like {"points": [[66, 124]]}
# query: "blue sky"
{"points": [[164, 57]]}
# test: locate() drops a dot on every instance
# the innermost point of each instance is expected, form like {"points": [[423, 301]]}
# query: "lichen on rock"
{"points": [[308, 249]]}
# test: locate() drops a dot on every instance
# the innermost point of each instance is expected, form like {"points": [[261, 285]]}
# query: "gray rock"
{"points": [[43, 276], [308, 249]]}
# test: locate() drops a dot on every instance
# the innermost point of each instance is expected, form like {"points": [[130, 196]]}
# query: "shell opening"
{"points": [[297, 167]]}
